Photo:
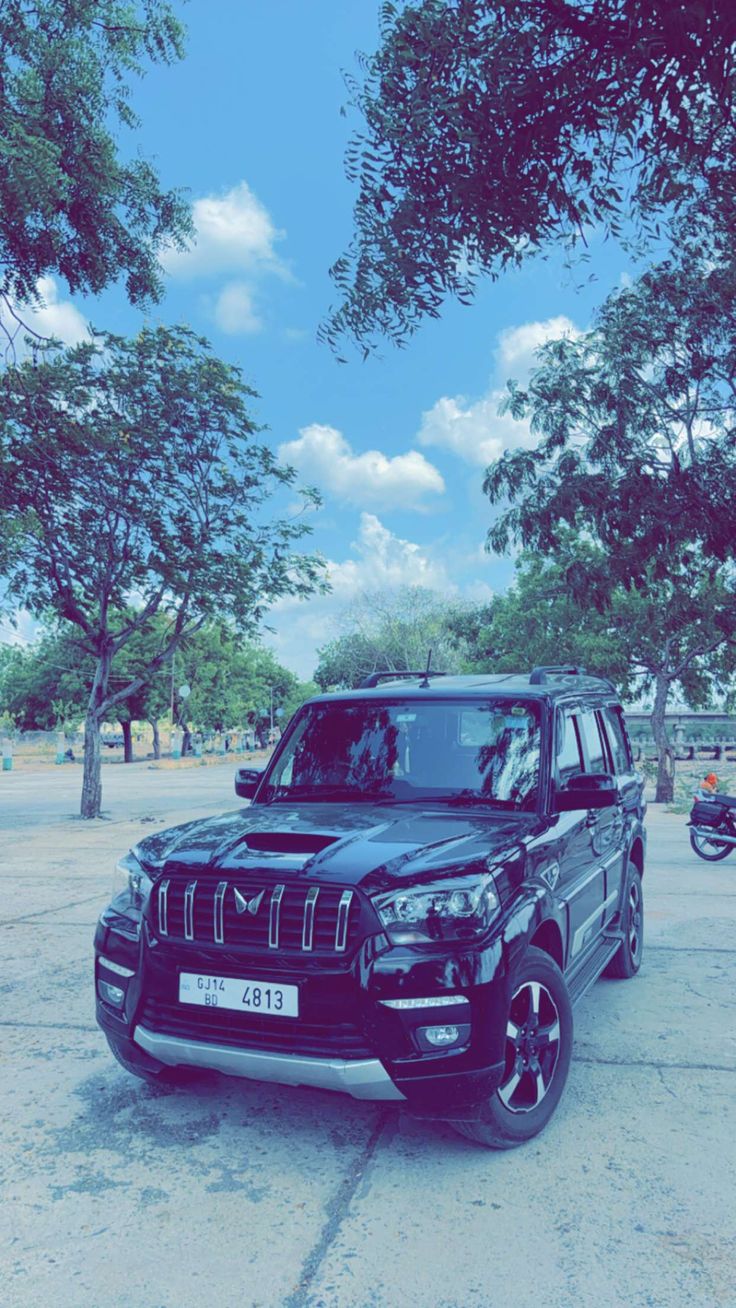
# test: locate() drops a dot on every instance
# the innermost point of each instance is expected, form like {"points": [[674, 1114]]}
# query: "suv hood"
{"points": [[369, 845]]}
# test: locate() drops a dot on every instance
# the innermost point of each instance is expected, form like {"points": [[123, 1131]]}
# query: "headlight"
{"points": [[131, 877], [457, 909]]}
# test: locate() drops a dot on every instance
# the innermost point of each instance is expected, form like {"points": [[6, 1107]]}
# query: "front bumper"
{"points": [[362, 1078], [382, 1060]]}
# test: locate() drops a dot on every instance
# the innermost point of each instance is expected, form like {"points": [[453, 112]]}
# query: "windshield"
{"points": [[463, 752]]}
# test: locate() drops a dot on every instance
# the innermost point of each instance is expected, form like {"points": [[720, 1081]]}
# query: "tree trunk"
{"points": [[665, 754], [127, 741], [92, 773], [156, 738]]}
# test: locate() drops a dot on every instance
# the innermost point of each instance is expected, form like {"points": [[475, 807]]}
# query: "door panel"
{"points": [[582, 879]]}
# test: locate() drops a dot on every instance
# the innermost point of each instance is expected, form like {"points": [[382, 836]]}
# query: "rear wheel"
{"points": [[538, 1050], [709, 847], [627, 959]]}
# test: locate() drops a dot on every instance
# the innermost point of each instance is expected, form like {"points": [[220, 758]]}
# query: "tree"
{"points": [[45, 685], [388, 631], [131, 468], [69, 203], [672, 634], [233, 681], [635, 425], [138, 660], [494, 128]]}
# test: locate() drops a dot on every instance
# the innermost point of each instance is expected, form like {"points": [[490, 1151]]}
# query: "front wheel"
{"points": [[709, 847], [538, 1051]]}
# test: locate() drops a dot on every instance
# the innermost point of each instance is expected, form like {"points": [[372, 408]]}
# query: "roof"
{"points": [[439, 686]]}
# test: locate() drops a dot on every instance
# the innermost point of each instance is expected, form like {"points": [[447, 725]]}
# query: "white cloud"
{"points": [[322, 454], [49, 317], [234, 312], [517, 346], [234, 233], [473, 429], [382, 561], [21, 629], [475, 432]]}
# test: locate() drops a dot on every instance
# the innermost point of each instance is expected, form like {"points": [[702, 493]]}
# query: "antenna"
{"points": [[423, 685]]}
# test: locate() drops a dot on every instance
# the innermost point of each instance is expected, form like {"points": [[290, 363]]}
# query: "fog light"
{"points": [[112, 995], [435, 1039], [441, 1035]]}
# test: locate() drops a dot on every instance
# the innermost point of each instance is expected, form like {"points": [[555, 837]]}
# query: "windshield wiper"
{"points": [[325, 794], [471, 798]]}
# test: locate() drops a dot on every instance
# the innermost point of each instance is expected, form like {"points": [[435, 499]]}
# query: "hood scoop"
{"points": [[291, 843]]}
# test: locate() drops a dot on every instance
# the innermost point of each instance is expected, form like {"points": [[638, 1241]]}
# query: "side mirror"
{"points": [[247, 781], [588, 790]]}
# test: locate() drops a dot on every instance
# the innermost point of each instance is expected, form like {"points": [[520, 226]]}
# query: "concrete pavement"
{"points": [[233, 1194]]}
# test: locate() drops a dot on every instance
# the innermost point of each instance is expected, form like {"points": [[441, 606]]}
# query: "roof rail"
{"points": [[540, 675], [375, 677]]}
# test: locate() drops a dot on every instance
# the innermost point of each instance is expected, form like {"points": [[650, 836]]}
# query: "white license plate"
{"points": [[239, 994]]}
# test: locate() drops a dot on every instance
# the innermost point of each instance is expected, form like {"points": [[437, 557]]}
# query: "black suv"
{"points": [[431, 872]]}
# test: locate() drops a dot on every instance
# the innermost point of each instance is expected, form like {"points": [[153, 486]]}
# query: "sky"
{"points": [[250, 123]]}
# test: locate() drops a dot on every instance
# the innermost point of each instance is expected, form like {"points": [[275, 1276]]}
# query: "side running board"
{"points": [[580, 982]]}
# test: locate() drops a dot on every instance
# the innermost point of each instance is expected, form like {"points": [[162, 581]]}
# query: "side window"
{"points": [[593, 743], [617, 740], [569, 759]]}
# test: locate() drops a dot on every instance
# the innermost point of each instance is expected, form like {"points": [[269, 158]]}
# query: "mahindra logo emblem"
{"points": [[244, 905]]}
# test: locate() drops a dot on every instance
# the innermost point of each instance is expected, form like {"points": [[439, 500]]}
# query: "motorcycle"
{"points": [[713, 827]]}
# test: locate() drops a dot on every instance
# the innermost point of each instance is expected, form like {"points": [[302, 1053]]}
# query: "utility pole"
{"points": [[272, 708]]}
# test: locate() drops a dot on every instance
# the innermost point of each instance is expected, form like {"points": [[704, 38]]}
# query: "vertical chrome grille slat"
{"points": [[219, 913], [163, 908], [189, 910], [310, 904], [274, 916], [282, 918], [343, 914]]}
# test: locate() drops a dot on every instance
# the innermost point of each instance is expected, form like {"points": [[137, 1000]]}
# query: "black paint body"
{"points": [[559, 876]]}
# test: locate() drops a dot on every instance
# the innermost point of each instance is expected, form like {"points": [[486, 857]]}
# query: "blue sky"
{"points": [[250, 123]]}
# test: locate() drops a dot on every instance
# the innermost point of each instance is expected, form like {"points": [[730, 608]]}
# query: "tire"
{"points": [[627, 959], [717, 849], [516, 1111]]}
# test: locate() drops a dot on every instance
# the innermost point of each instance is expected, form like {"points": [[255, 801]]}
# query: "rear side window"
{"points": [[617, 741], [593, 743], [569, 759]]}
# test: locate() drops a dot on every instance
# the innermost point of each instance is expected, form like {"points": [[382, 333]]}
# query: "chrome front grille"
{"points": [[244, 914]]}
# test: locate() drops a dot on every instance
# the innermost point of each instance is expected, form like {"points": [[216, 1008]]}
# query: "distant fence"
{"points": [[68, 747], [707, 736]]}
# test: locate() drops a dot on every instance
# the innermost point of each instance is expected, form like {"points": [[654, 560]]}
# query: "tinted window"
{"points": [[593, 743], [569, 761], [410, 749], [617, 739]]}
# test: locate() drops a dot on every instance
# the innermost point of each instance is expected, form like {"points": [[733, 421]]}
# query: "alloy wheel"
{"points": [[532, 1047], [635, 920]]}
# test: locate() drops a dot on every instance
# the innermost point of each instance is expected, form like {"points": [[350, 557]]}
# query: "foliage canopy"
{"points": [[130, 472], [69, 202], [636, 436], [494, 127]]}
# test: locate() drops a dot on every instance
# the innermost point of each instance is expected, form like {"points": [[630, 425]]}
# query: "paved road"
{"points": [[233, 1195], [135, 790]]}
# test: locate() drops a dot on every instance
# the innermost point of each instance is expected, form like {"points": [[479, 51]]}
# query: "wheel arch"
{"points": [[548, 937], [636, 855]]}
